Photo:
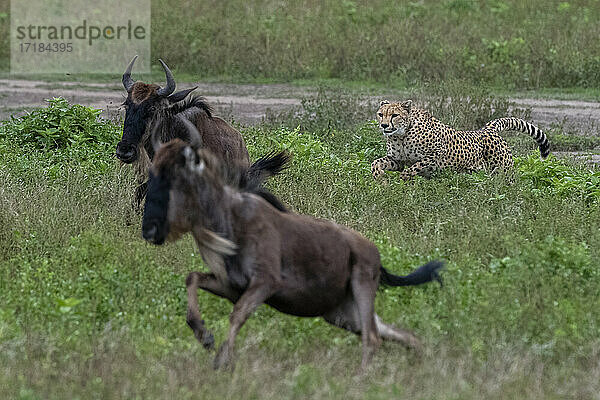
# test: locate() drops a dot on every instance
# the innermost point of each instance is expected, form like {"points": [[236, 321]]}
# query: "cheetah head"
{"points": [[393, 117]]}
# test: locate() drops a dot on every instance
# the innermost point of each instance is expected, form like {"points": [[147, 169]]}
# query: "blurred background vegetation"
{"points": [[505, 43]]}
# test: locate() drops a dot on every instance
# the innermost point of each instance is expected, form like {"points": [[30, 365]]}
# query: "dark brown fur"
{"points": [[143, 91], [295, 263], [147, 111]]}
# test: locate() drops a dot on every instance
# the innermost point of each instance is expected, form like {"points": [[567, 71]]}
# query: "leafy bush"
{"points": [[558, 177], [327, 110], [60, 125]]}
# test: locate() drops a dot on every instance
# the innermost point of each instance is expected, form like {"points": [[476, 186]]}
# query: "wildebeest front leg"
{"points": [[209, 282], [254, 296]]}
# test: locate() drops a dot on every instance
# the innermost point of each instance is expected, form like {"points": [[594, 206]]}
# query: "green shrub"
{"points": [[328, 109], [559, 177], [60, 125]]}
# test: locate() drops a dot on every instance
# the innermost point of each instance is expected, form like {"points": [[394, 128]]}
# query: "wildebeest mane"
{"points": [[191, 102], [251, 179], [168, 124]]}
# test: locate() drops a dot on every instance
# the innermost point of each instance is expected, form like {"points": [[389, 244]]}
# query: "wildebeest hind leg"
{"points": [[194, 320], [389, 332], [364, 288], [345, 316]]}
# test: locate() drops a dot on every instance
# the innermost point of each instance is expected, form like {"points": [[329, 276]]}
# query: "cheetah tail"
{"points": [[517, 124]]}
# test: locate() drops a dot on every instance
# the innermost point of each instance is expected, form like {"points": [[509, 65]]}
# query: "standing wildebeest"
{"points": [[295, 263], [150, 108]]}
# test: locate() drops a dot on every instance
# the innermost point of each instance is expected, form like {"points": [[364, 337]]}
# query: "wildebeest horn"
{"points": [[170, 88], [195, 138], [127, 81]]}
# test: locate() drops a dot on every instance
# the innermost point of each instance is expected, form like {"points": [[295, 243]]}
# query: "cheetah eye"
{"points": [[380, 115], [394, 115]]}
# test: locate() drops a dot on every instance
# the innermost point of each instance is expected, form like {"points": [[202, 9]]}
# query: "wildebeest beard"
{"points": [[155, 224]]}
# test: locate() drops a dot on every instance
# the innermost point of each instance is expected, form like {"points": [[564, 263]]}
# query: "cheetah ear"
{"points": [[406, 105], [383, 102]]}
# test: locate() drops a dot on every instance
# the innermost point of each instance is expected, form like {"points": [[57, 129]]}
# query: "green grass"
{"points": [[497, 42], [89, 310], [504, 43]]}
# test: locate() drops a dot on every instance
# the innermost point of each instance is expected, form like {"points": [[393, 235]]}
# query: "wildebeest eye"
{"points": [[394, 115], [380, 114]]}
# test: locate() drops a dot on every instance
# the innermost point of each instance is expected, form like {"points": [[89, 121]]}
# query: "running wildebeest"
{"points": [[150, 108], [295, 263]]}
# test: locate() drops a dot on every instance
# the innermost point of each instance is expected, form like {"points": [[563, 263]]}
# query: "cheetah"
{"points": [[419, 144]]}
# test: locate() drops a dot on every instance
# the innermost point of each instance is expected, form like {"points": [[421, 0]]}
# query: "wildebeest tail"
{"points": [[267, 166], [423, 274], [517, 124]]}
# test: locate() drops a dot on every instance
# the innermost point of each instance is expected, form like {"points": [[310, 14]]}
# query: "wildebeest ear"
{"points": [[406, 105], [383, 103], [182, 94]]}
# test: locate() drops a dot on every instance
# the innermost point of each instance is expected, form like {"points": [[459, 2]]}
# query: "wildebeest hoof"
{"points": [[207, 340], [222, 359]]}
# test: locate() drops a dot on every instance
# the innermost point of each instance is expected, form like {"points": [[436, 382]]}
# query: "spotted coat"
{"points": [[419, 144]]}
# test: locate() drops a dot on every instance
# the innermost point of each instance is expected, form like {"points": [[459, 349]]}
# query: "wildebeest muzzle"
{"points": [[126, 152]]}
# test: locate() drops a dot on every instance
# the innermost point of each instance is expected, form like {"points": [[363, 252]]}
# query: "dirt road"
{"points": [[248, 104]]}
